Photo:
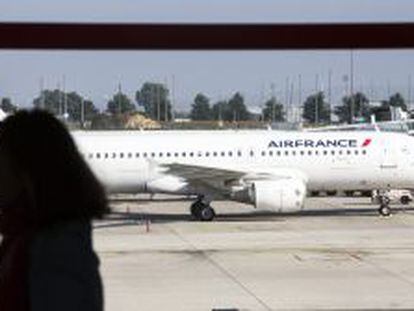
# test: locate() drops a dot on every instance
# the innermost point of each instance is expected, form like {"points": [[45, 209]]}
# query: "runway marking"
{"points": [[222, 269], [379, 267]]}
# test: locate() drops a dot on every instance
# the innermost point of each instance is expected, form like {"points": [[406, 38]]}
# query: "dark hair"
{"points": [[64, 187]]}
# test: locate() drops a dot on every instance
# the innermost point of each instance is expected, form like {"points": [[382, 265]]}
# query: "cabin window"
{"points": [[160, 154], [137, 155], [230, 153], [239, 153], [121, 155], [293, 152], [333, 152], [129, 155], [184, 154], [302, 152], [106, 155], [176, 154], [223, 154], [168, 154], [356, 152], [214, 154], [279, 153], [191, 154], [152, 154], [263, 153], [90, 156], [98, 155], [207, 154], [310, 152], [251, 153], [325, 152], [286, 153], [113, 155], [348, 152], [364, 152], [144, 154]]}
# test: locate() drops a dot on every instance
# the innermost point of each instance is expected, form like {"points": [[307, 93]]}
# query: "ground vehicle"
{"points": [[399, 196]]}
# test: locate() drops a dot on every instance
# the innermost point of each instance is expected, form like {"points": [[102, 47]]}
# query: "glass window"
{"points": [[325, 152], [98, 155], [184, 154], [270, 153], [263, 153], [153, 154], [160, 154], [302, 152], [145, 155], [294, 152], [137, 155], [113, 155], [90, 156], [207, 154], [215, 154], [191, 154], [348, 152], [279, 153], [106, 155], [251, 153], [364, 152], [239, 153], [176, 154], [121, 155], [230, 153], [356, 152], [223, 154], [333, 152], [310, 152], [129, 155], [286, 153], [168, 154]]}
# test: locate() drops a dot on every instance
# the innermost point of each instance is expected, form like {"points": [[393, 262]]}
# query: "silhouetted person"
{"points": [[48, 197]]}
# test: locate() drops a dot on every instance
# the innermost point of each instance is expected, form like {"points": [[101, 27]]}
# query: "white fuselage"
{"points": [[130, 162]]}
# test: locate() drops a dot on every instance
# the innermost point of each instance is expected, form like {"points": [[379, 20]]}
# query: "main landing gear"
{"points": [[384, 209], [201, 210]]}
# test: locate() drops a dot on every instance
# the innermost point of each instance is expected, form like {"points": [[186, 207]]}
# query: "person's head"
{"points": [[41, 169]]}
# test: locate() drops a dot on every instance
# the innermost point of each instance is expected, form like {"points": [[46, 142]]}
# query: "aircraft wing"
{"points": [[221, 179]]}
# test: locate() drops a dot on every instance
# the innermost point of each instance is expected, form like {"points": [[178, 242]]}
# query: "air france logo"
{"points": [[319, 143]]}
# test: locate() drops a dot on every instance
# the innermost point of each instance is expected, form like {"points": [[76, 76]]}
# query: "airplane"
{"points": [[273, 170]]}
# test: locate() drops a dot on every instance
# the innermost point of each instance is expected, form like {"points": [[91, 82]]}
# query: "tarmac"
{"points": [[337, 254]]}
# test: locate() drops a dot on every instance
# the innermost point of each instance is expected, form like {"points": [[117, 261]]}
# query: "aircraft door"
{"points": [[389, 156]]}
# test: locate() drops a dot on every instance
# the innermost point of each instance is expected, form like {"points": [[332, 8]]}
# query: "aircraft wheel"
{"points": [[195, 209], [384, 210], [405, 200], [207, 213]]}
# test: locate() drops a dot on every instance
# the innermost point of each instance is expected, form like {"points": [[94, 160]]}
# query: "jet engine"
{"points": [[284, 195]]}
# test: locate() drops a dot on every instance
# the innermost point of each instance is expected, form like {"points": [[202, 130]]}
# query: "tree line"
{"points": [[154, 100]]}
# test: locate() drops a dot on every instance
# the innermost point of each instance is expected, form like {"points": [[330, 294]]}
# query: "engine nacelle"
{"points": [[285, 195], [167, 184]]}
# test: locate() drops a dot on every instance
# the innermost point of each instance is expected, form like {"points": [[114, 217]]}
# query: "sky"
{"points": [[256, 74]]}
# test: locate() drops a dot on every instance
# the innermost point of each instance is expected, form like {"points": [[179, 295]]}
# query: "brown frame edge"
{"points": [[105, 36]]}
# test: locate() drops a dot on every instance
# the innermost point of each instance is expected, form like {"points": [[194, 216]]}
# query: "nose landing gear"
{"points": [[201, 210], [384, 209]]}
